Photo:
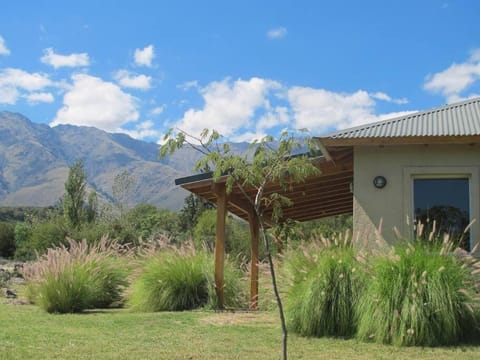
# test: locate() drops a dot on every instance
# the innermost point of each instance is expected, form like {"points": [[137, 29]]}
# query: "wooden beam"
{"points": [[254, 234], [220, 191]]}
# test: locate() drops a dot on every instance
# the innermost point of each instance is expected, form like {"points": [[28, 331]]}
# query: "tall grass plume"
{"points": [[326, 281], [78, 276]]}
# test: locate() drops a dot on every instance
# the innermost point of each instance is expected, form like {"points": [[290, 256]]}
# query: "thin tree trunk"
{"points": [[275, 288]]}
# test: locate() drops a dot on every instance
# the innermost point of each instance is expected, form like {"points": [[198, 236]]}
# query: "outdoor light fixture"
{"points": [[379, 182]]}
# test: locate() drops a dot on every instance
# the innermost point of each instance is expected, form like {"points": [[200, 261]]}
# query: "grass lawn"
{"points": [[29, 333]]}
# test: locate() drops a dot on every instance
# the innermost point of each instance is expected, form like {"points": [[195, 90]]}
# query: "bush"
{"points": [[24, 250], [78, 278], [420, 295], [7, 239], [46, 235], [173, 280], [326, 284], [237, 243]]}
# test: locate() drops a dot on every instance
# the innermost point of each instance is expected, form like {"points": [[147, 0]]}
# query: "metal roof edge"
{"points": [[399, 118]]}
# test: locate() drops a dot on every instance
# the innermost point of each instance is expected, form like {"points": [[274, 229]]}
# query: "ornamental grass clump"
{"points": [[78, 277], [420, 294], [176, 279], [326, 284]]}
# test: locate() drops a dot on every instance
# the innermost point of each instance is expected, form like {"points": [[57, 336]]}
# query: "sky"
{"points": [[245, 68]]}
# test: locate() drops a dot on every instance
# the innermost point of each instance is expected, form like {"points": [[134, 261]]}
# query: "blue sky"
{"points": [[245, 68]]}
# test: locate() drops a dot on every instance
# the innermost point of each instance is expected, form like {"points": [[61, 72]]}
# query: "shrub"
{"points": [[181, 279], [7, 239], [326, 284], [420, 295], [46, 235], [77, 278], [237, 243], [24, 251]]}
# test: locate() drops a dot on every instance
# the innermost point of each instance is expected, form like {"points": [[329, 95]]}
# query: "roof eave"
{"points": [[407, 140]]}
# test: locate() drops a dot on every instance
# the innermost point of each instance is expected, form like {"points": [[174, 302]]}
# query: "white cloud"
{"points": [[394, 115], [144, 57], [131, 80], [272, 118], [277, 33], [3, 47], [37, 97], [456, 79], [14, 81], [157, 110], [8, 95], [23, 79], [229, 106], [320, 110], [385, 97], [93, 102], [142, 131], [248, 136], [187, 85], [56, 60]]}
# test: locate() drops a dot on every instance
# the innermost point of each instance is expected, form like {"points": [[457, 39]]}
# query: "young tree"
{"points": [[123, 189], [272, 162], [91, 210], [74, 197]]}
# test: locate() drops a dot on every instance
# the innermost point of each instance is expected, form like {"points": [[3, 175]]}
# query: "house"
{"points": [[421, 166], [424, 165]]}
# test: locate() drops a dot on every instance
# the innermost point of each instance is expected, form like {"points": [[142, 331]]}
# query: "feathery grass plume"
{"points": [[181, 278], [419, 295], [78, 277], [326, 283]]}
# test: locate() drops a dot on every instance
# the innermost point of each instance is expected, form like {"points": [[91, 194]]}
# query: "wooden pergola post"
{"points": [[220, 192], [254, 234]]}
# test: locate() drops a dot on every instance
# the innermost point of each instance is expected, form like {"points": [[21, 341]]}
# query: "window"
{"points": [[445, 201]]}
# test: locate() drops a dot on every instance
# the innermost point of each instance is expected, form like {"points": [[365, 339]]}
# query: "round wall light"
{"points": [[379, 182]]}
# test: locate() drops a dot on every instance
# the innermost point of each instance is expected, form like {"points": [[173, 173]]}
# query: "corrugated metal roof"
{"points": [[459, 119]]}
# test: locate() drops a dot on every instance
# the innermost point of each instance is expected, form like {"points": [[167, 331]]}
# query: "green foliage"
{"points": [[74, 197], [146, 221], [237, 242], [173, 281], [91, 210], [7, 239], [69, 291], [234, 290], [92, 232], [327, 283], [14, 214], [79, 277], [269, 160], [122, 190], [420, 295], [23, 232], [193, 208], [45, 235]]}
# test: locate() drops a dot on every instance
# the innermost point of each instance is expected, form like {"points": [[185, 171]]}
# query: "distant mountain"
{"points": [[34, 162]]}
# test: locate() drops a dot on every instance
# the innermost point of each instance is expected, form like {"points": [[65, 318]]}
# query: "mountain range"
{"points": [[35, 159]]}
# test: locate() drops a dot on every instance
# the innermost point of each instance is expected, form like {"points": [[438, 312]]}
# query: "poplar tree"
{"points": [[74, 197]]}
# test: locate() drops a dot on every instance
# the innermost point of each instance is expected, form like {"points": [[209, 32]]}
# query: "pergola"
{"points": [[327, 194]]}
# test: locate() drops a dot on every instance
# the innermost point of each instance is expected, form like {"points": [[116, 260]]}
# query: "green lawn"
{"points": [[29, 333]]}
